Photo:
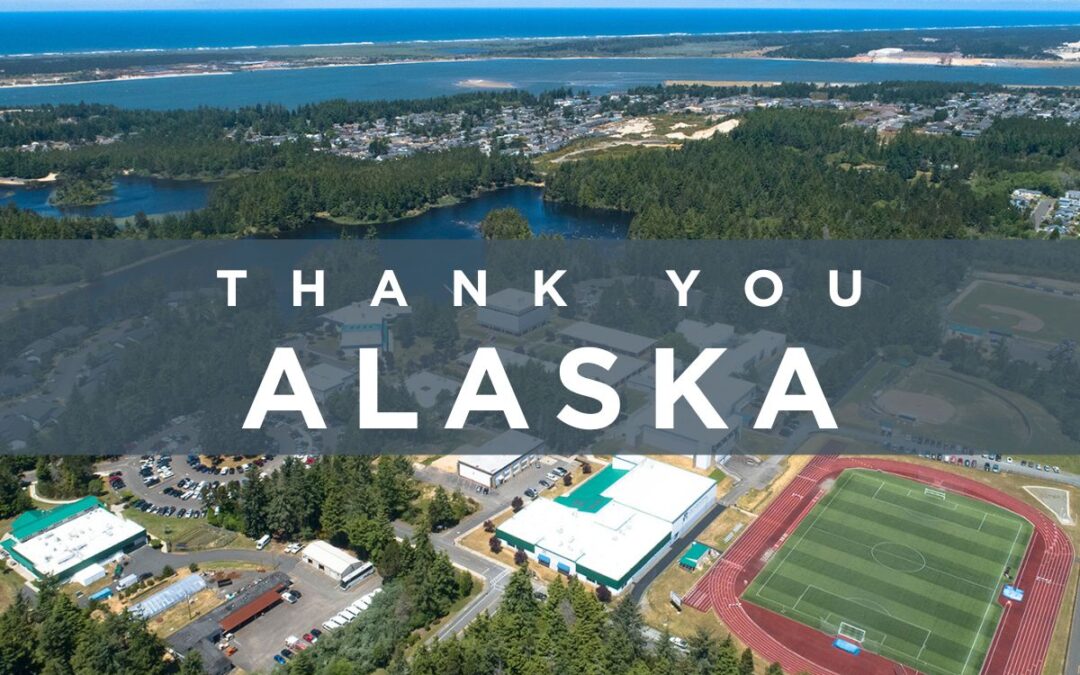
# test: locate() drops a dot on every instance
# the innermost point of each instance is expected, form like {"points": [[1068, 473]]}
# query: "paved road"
{"points": [[495, 576], [637, 592], [749, 474], [1072, 658], [147, 559]]}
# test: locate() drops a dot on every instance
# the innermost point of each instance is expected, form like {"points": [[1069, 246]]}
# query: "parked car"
{"points": [[279, 659], [531, 493], [546, 483]]}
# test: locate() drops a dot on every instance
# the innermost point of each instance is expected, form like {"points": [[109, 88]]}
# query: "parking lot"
{"points": [[260, 640], [515, 486]]}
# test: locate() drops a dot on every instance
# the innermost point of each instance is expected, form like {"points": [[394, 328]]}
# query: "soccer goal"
{"points": [[934, 494], [850, 632]]}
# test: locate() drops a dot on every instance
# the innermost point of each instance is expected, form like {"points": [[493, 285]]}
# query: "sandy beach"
{"points": [[23, 182], [484, 84]]}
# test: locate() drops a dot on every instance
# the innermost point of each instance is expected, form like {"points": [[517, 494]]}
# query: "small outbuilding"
{"points": [[340, 565]]}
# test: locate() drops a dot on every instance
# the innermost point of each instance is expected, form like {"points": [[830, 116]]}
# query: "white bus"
{"points": [[263, 541]]}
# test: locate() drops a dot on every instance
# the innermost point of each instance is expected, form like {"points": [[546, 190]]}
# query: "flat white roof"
{"points": [[501, 451], [511, 301], [644, 504], [77, 540], [603, 336], [331, 557], [659, 489], [326, 376], [705, 335], [756, 347], [426, 386], [360, 313], [622, 370], [610, 542], [509, 357], [724, 393]]}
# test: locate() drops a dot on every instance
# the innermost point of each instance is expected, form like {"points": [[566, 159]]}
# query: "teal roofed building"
{"points": [[61, 541], [614, 526]]}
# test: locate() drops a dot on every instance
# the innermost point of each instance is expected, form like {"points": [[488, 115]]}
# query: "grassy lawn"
{"points": [[915, 576], [658, 612], [725, 529], [1023, 312], [756, 500], [188, 534], [10, 584], [181, 614], [757, 443], [231, 566], [972, 411]]}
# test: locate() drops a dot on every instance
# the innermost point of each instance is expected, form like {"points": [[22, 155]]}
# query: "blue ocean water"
{"points": [[421, 80], [46, 32]]}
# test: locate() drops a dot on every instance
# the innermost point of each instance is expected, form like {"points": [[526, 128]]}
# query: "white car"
{"points": [[343, 618], [351, 613], [331, 624], [360, 605]]}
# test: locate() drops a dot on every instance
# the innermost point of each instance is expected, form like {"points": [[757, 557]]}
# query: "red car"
{"points": [[310, 638]]}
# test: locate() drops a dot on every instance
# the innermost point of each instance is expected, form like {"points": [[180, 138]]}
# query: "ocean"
{"points": [[422, 80], [59, 32]]}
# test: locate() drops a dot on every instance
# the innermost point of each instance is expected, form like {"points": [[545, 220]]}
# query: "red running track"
{"points": [[1019, 645]]}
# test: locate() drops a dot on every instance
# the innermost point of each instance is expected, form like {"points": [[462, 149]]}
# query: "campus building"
{"points": [[512, 311], [326, 379], [361, 325], [728, 393], [341, 566], [62, 541], [618, 341], [614, 526], [500, 458]]}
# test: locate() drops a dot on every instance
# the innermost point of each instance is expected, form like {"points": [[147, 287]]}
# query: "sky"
{"points": [[69, 5]]}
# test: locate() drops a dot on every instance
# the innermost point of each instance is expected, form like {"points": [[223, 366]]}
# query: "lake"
{"points": [[129, 196], [457, 221], [462, 221], [422, 80]]}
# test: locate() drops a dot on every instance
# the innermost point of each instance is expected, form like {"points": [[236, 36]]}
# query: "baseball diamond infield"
{"points": [[1023, 629]]}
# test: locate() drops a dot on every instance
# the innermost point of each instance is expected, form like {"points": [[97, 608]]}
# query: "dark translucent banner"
{"points": [[134, 347]]}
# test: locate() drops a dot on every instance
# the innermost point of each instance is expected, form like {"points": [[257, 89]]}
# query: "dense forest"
{"points": [[782, 173], [570, 632], [86, 122], [56, 636], [804, 174]]}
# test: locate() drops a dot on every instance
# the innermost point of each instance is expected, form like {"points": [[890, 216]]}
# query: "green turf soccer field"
{"points": [[915, 572]]}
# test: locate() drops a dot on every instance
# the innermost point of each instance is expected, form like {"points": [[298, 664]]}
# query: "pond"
{"points": [[458, 221]]}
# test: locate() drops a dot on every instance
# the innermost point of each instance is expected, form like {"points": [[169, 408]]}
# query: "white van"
{"points": [[344, 618], [330, 625], [262, 542]]}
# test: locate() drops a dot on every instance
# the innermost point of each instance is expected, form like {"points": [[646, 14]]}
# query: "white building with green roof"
{"points": [[615, 525], [61, 541]]}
